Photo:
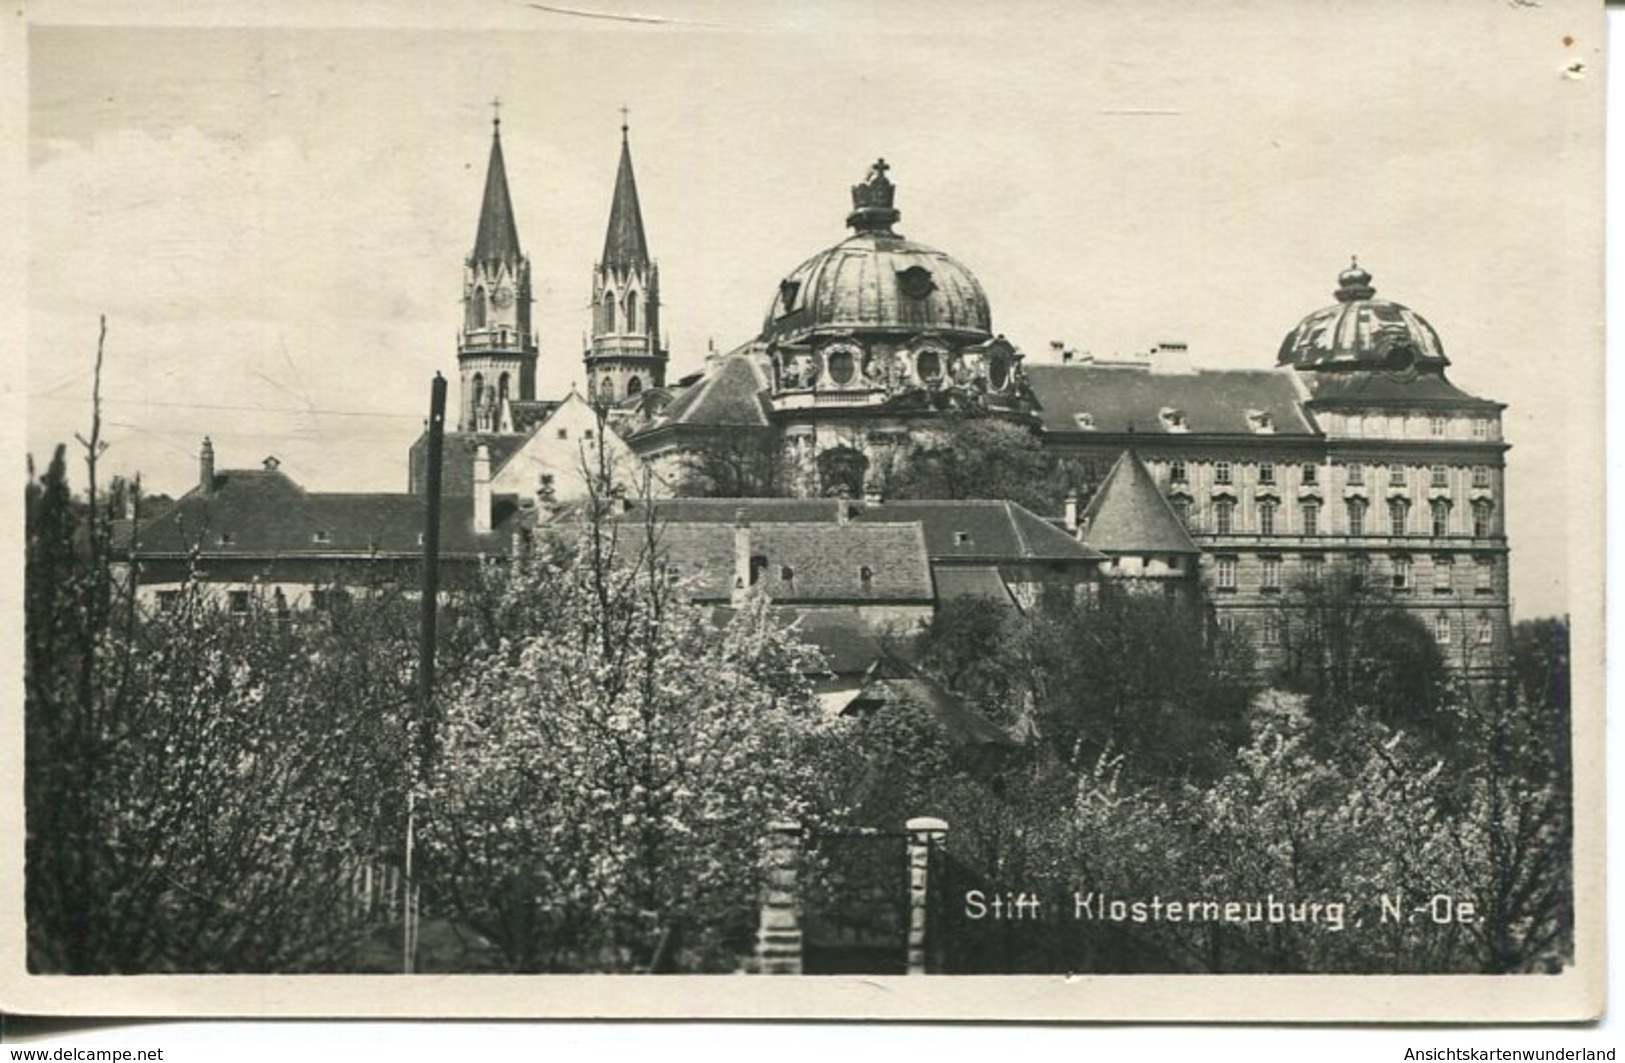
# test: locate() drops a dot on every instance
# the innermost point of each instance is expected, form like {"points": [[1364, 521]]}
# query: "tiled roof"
{"points": [[1378, 388], [457, 458], [825, 563], [972, 581], [1129, 515], [263, 513], [954, 528], [1133, 399], [733, 394], [982, 529], [528, 414]]}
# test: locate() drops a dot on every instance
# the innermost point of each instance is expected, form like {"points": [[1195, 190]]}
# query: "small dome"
{"points": [[877, 281], [1360, 331]]}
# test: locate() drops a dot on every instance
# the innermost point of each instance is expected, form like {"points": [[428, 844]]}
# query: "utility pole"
{"points": [[426, 714]]}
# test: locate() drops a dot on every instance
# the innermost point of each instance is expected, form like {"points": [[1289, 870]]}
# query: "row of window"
{"points": [[1399, 523], [1274, 629], [1399, 572], [1309, 474], [1397, 426]]}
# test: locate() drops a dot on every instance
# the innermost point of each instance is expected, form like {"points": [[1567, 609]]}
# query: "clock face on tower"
{"points": [[502, 297]]}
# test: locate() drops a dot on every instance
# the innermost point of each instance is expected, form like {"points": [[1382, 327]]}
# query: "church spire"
{"points": [[498, 236], [624, 244]]}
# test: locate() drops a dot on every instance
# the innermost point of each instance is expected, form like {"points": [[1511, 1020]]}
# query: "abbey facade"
{"points": [[1349, 450]]}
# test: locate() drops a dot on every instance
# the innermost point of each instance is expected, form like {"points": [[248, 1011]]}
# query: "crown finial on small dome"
{"points": [[872, 209], [1354, 283]]}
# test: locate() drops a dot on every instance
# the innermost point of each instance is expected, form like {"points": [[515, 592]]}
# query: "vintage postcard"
{"points": [[807, 510]]}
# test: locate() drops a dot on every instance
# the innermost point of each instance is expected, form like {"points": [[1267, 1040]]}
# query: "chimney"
{"points": [[205, 463], [1169, 357], [1071, 518], [482, 490], [741, 559]]}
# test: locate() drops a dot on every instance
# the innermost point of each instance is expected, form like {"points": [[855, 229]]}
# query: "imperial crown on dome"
{"points": [[1360, 331]]}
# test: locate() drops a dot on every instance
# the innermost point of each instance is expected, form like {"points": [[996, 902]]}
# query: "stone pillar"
{"points": [[923, 833], [778, 936]]}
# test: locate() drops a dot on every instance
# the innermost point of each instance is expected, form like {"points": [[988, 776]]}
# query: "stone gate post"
{"points": [[923, 832], [778, 935]]}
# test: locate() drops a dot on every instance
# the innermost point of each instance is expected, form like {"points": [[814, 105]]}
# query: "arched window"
{"points": [[477, 390], [502, 388], [476, 309], [634, 387], [606, 318], [631, 311], [606, 390]]}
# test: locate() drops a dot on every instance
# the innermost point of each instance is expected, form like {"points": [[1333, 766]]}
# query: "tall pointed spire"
{"points": [[498, 236], [624, 244]]}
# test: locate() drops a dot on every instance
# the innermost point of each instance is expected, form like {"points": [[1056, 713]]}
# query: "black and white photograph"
{"points": [[689, 509]]}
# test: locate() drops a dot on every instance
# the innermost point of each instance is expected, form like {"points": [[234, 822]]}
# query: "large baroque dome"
{"points": [[1360, 331], [875, 281]]}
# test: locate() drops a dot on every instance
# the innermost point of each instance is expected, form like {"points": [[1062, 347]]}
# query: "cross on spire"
{"points": [[496, 110], [624, 113]]}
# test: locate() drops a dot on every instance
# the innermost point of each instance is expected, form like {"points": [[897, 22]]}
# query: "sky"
{"points": [[272, 209]]}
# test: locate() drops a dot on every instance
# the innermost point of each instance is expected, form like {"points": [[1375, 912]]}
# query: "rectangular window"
{"points": [[1439, 476], [1402, 573], [1356, 475], [1274, 630], [1266, 518], [1223, 516], [1441, 629], [1221, 472], [1310, 512], [1396, 426], [1356, 517], [1226, 573], [1266, 472], [564, 433], [1311, 475], [1313, 566], [1483, 527], [1481, 475], [1182, 510], [1396, 516], [1484, 575], [239, 603], [1176, 471], [1441, 574], [168, 600], [1481, 428], [1437, 426], [1272, 574], [1396, 476], [1441, 519], [1484, 630], [1359, 568]]}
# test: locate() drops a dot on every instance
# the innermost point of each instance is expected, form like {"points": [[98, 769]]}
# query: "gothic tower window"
{"points": [[606, 390], [634, 387], [631, 311], [478, 389], [502, 388], [476, 309], [606, 315]]}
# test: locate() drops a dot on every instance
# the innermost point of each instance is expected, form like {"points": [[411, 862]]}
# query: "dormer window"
{"points": [[1173, 419], [321, 538], [789, 291], [961, 538], [758, 565], [1261, 422], [227, 539], [786, 573], [1084, 420]]}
